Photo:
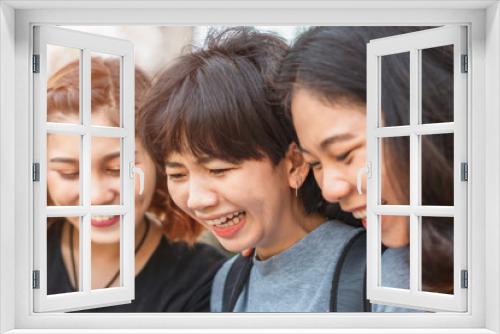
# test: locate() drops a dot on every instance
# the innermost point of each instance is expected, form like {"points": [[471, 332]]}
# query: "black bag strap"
{"points": [[236, 279], [348, 293]]}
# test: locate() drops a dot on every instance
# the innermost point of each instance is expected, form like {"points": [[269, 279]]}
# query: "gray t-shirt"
{"points": [[298, 279]]}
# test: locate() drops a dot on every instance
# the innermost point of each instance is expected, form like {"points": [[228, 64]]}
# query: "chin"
{"points": [[106, 239], [235, 246]]}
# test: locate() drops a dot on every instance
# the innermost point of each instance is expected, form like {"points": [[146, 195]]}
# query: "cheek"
{"points": [[178, 193], [61, 191]]}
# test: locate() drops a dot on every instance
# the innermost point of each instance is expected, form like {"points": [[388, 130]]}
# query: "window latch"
{"points": [[363, 170], [137, 170]]}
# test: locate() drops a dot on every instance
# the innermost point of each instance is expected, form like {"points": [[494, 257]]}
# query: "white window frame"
{"points": [[16, 19], [124, 51], [413, 43]]}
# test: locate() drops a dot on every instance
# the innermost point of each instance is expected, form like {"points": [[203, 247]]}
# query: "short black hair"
{"points": [[220, 100]]}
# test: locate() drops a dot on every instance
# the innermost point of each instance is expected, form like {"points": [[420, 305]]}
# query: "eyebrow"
{"points": [[64, 160], [329, 141], [201, 161], [335, 138], [112, 156], [173, 164], [107, 157]]}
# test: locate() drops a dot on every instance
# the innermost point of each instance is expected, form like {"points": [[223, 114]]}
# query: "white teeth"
{"points": [[101, 218], [229, 220]]}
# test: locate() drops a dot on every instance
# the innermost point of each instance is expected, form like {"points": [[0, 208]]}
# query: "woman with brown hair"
{"points": [[173, 273]]}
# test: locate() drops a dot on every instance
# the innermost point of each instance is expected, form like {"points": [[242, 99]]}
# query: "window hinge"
{"points": [[465, 64], [36, 172], [36, 63], [464, 171], [36, 279], [465, 279]]}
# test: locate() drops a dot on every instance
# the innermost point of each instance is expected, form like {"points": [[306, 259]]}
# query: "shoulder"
{"points": [[334, 233], [218, 285]]}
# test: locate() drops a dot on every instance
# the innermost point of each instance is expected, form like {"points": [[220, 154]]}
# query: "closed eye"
{"points": [[69, 175], [175, 176], [219, 171]]}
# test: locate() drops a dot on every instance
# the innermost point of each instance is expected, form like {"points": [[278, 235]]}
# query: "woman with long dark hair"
{"points": [[323, 78]]}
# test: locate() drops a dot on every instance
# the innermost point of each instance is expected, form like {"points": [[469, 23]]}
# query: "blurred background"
{"points": [[155, 46]]}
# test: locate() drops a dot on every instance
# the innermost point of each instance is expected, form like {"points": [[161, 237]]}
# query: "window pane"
{"points": [[105, 171], [437, 169], [395, 270], [63, 84], [63, 169], [437, 254], [63, 254], [394, 171], [105, 249], [437, 84], [395, 77], [105, 90]]}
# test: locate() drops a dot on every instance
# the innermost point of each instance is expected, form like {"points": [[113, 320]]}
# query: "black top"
{"points": [[176, 278]]}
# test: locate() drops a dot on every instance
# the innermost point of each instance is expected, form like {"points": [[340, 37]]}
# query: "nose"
{"points": [[334, 186], [200, 195], [104, 190]]}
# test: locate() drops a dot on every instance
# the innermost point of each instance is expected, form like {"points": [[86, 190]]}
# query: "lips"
{"points": [[104, 221]]}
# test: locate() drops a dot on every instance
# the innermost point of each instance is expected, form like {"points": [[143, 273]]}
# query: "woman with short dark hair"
{"points": [[215, 121]]}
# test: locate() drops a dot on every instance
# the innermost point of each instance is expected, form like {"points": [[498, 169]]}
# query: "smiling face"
{"points": [[333, 140], [248, 204], [63, 178]]}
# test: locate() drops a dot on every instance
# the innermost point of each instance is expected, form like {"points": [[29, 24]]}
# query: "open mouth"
{"points": [[227, 226], [104, 221]]}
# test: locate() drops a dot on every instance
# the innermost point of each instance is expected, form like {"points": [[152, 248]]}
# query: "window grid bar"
{"points": [[85, 235], [418, 129], [414, 168], [127, 111], [78, 129], [419, 210], [80, 210]]}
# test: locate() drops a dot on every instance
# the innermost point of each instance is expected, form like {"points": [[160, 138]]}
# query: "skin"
{"points": [[333, 140], [63, 187], [273, 219]]}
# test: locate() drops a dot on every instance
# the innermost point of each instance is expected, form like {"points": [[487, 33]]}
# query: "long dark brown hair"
{"points": [[331, 62]]}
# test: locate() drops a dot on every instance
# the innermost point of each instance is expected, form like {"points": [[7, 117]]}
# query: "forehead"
{"points": [[316, 120], [69, 145]]}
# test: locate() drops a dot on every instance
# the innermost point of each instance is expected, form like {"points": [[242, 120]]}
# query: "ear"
{"points": [[297, 169]]}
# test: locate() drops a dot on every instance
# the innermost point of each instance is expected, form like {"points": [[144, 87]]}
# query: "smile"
{"points": [[104, 221], [229, 225]]}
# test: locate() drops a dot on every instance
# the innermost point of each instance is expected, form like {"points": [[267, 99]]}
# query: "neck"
{"points": [[293, 227]]}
